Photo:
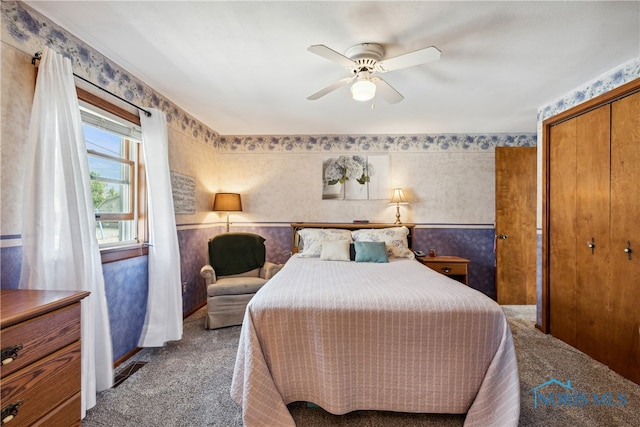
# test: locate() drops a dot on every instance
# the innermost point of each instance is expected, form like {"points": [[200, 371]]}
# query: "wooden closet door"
{"points": [[625, 227], [562, 231], [592, 225]]}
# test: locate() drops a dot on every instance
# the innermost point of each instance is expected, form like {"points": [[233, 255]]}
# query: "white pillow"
{"points": [[312, 239], [394, 238], [336, 250]]}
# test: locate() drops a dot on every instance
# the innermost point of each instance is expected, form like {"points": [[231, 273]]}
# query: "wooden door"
{"points": [[516, 225], [562, 231], [593, 172], [625, 227]]}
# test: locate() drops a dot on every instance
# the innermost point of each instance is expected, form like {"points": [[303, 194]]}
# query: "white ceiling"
{"points": [[243, 67]]}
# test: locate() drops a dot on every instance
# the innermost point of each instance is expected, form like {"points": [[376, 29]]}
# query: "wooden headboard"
{"points": [[296, 226]]}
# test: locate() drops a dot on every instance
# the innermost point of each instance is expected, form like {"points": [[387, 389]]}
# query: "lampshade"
{"points": [[363, 89], [227, 202], [398, 197]]}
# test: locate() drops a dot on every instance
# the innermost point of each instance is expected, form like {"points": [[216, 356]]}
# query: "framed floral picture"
{"points": [[355, 177]]}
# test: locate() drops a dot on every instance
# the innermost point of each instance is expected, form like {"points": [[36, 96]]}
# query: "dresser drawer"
{"points": [[67, 414], [454, 267], [44, 385], [447, 268], [40, 336]]}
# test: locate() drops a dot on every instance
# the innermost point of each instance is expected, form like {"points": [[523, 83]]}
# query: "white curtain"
{"points": [[163, 321], [60, 249]]}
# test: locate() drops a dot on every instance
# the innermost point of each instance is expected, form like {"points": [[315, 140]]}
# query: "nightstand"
{"points": [[452, 266]]}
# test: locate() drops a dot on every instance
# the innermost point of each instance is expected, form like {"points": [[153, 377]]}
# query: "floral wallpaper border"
{"points": [[374, 143], [620, 75], [29, 31]]}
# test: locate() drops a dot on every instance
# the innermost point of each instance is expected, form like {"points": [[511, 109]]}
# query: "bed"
{"points": [[393, 336]]}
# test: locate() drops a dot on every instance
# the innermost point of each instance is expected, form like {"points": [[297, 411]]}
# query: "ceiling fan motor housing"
{"points": [[365, 56]]}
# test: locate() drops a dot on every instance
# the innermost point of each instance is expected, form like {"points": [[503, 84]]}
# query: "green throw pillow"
{"points": [[371, 252]]}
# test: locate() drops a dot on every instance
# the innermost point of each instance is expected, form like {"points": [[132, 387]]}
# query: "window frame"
{"points": [[127, 216], [140, 248]]}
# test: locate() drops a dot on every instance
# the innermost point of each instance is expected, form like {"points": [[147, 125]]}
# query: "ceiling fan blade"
{"points": [[330, 54], [390, 95], [417, 57], [330, 88]]}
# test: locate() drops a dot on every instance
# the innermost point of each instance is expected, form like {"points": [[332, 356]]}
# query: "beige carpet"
{"points": [[187, 383]]}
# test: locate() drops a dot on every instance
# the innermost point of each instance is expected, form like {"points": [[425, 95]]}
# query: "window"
{"points": [[112, 166], [115, 168]]}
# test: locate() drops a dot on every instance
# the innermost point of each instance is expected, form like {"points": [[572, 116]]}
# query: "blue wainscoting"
{"points": [[10, 265], [193, 256], [477, 245], [126, 286]]}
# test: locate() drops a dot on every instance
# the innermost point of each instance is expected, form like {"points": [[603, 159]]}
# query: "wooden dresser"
{"points": [[41, 365]]}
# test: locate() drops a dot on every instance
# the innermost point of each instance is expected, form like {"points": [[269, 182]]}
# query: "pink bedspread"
{"points": [[358, 336]]}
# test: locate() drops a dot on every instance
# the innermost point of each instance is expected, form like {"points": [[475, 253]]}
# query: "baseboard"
{"points": [[124, 358], [194, 310]]}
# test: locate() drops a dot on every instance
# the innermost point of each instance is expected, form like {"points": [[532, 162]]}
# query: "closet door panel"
{"points": [[562, 231], [592, 227], [625, 227]]}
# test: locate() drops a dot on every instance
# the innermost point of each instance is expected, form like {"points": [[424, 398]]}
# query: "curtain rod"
{"points": [[38, 56]]}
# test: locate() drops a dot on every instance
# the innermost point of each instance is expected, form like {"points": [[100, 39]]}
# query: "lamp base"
{"points": [[398, 215]]}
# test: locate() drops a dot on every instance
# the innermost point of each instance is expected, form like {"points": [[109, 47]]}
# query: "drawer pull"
{"points": [[628, 250], [9, 354], [10, 411], [446, 269]]}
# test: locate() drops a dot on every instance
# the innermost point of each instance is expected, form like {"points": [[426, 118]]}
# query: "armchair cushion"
{"points": [[267, 271], [235, 286]]}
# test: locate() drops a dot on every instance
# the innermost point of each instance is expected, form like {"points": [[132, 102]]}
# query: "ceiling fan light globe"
{"points": [[363, 90]]}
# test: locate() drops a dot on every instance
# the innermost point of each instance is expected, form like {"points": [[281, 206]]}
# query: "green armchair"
{"points": [[237, 269]]}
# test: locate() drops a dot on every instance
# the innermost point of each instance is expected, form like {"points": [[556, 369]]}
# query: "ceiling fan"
{"points": [[363, 61]]}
